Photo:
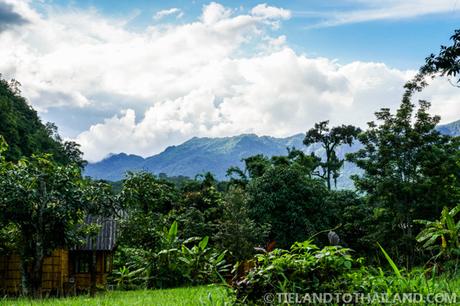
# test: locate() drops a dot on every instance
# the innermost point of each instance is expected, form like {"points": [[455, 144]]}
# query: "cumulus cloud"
{"points": [[277, 94], [162, 85], [172, 11], [215, 12]]}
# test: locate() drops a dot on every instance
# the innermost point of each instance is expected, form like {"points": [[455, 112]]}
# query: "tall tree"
{"points": [[330, 140], [236, 231], [288, 202], [255, 166], [200, 208], [145, 199], [409, 170], [145, 192], [45, 202]]}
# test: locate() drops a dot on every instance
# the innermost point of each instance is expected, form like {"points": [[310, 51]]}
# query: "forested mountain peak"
{"points": [[201, 154]]}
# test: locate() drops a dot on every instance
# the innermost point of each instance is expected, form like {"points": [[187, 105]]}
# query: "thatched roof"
{"points": [[105, 239]]}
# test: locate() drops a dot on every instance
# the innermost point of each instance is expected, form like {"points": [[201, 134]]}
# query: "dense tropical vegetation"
{"points": [[26, 134], [276, 225]]}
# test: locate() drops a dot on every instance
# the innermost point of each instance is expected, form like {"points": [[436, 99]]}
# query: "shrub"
{"points": [[129, 269], [304, 268], [176, 263]]}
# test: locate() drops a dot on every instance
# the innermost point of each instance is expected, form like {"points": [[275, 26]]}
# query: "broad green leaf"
{"points": [[203, 243], [221, 256], [172, 231], [390, 261]]}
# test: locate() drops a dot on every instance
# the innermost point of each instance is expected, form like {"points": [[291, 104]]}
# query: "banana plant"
{"points": [[170, 247], [191, 260], [442, 234], [201, 263], [124, 277]]}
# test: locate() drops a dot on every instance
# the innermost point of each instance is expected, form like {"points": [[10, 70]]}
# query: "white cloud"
{"points": [[278, 94], [366, 10], [172, 11], [215, 12], [163, 85], [270, 12]]}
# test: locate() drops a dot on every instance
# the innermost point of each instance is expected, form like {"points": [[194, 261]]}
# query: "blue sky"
{"points": [[138, 76], [399, 42]]}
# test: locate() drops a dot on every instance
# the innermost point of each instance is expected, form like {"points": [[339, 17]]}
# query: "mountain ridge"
{"points": [[202, 154]]}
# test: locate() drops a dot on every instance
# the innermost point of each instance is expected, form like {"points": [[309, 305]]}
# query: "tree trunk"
{"points": [[37, 270], [328, 168], [38, 246], [31, 272], [25, 276], [27, 255], [93, 274]]}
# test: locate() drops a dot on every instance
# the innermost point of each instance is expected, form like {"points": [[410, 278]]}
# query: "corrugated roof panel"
{"points": [[105, 239]]}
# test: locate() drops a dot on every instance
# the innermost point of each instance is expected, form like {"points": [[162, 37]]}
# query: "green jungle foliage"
{"points": [[305, 268], [410, 172], [42, 208], [397, 232], [26, 134], [175, 263]]}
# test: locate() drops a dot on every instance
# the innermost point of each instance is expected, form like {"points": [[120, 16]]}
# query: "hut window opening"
{"points": [[82, 263]]}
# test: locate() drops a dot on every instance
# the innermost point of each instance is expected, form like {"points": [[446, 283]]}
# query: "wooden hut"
{"points": [[68, 271], [90, 263]]}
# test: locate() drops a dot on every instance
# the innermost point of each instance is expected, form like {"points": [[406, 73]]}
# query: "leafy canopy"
{"points": [[330, 139], [26, 134], [410, 171]]}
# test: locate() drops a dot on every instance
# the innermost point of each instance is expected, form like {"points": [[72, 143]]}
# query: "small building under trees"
{"points": [[68, 271]]}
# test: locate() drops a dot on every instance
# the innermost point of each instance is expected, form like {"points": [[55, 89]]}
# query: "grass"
{"points": [[203, 295]]}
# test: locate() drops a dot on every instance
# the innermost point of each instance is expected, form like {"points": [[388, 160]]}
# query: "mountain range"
{"points": [[216, 155]]}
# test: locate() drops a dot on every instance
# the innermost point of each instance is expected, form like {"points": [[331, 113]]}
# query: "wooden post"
{"points": [[93, 270]]}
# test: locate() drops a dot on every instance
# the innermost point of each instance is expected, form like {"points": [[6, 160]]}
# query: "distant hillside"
{"points": [[22, 128], [195, 156], [216, 155], [451, 129]]}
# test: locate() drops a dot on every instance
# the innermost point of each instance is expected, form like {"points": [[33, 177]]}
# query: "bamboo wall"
{"points": [[55, 272], [10, 276], [58, 276]]}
